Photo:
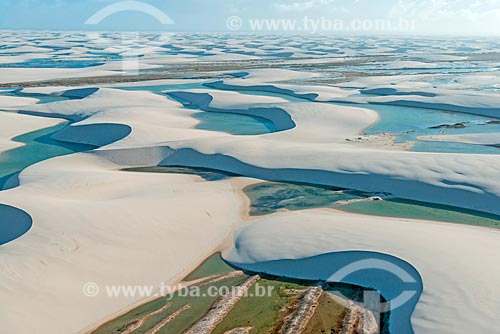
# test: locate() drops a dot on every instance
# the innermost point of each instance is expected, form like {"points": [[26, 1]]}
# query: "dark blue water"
{"points": [[13, 223], [395, 279]]}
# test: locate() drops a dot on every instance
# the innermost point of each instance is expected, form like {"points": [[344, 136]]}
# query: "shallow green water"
{"points": [[200, 304], [206, 174], [268, 198], [419, 210], [38, 147], [234, 124], [270, 304]]}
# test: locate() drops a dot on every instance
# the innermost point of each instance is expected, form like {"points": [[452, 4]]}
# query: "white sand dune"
{"points": [[489, 139], [313, 93], [456, 262], [20, 58], [99, 102], [25, 49], [386, 80], [227, 99], [471, 103], [432, 176], [15, 101], [313, 150], [277, 75], [13, 125], [398, 90], [13, 75], [406, 64], [452, 179], [153, 83], [93, 223], [265, 80]]}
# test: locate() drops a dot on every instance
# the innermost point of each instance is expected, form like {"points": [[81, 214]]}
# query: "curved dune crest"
{"points": [[79, 93], [95, 222], [488, 139], [390, 276], [15, 101], [447, 262], [219, 103], [403, 94], [142, 128], [13, 75], [98, 101], [260, 88], [317, 149], [98, 134], [12, 125], [435, 178], [306, 92]]}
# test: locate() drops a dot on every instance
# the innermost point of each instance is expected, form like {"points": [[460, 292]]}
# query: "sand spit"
{"points": [[165, 321], [241, 330], [296, 322], [221, 308], [138, 324]]}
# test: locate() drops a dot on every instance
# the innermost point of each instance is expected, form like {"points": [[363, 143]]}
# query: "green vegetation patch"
{"points": [[270, 197], [200, 305], [327, 318], [263, 314], [205, 173], [212, 266], [426, 211]]}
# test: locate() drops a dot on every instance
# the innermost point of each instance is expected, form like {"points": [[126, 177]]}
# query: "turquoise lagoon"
{"points": [[270, 197], [38, 146]]}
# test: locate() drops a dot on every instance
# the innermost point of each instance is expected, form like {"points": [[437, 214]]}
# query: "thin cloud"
{"points": [[302, 5]]}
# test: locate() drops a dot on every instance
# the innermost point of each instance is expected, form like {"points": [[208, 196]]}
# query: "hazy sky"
{"points": [[430, 16]]}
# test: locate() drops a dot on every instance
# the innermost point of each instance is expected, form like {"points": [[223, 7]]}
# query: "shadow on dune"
{"points": [[396, 280], [78, 94], [97, 135], [413, 189], [261, 88], [9, 181], [279, 117]]}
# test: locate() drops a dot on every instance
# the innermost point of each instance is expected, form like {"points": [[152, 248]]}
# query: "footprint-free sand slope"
{"points": [[93, 223], [315, 150], [13, 125]]}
